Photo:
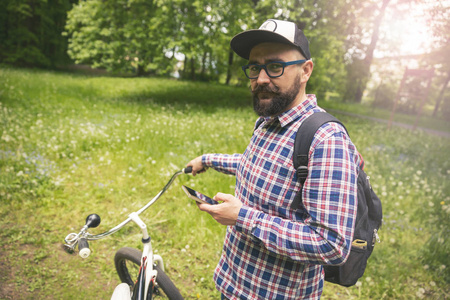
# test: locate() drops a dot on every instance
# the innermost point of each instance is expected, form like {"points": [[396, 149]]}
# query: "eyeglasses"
{"points": [[273, 69]]}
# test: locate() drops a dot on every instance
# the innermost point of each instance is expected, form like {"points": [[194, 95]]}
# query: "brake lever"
{"points": [[68, 249]]}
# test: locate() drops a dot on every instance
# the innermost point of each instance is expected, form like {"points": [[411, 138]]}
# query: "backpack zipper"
{"points": [[376, 237], [368, 182]]}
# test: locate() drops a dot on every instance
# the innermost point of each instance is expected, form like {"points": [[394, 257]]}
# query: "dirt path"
{"points": [[398, 124]]}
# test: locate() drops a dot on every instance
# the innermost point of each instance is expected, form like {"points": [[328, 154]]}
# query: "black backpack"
{"points": [[368, 215]]}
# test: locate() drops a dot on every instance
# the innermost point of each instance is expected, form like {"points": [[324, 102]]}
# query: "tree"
{"points": [[440, 27], [207, 28], [358, 70], [30, 32], [147, 35], [121, 36]]}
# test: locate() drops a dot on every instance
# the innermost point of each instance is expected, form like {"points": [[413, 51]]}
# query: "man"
{"points": [[273, 250]]}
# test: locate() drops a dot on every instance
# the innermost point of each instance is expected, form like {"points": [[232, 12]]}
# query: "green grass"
{"points": [[72, 145]]}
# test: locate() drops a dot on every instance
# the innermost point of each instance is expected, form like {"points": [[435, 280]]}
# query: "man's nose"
{"points": [[263, 78]]}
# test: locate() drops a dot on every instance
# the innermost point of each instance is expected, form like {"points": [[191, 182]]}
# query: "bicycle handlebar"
{"points": [[83, 248], [93, 220]]}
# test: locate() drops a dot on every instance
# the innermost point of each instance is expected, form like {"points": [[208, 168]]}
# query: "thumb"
{"points": [[223, 197]]}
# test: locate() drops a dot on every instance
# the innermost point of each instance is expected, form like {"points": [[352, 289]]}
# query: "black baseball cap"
{"points": [[271, 31]]}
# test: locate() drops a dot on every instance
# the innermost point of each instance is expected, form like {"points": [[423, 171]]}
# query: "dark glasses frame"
{"points": [[283, 64]]}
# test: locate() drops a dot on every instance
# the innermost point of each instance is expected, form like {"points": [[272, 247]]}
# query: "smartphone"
{"points": [[197, 196]]}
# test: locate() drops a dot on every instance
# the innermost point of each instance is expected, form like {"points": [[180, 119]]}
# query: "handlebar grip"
{"points": [[83, 248], [187, 170]]}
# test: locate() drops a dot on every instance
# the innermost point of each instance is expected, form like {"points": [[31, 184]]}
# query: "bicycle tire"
{"points": [[128, 260]]}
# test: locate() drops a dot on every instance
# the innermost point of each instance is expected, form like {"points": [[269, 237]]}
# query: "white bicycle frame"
{"points": [[148, 258], [122, 291]]}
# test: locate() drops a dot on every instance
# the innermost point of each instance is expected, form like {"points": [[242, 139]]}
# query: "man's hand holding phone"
{"points": [[226, 213]]}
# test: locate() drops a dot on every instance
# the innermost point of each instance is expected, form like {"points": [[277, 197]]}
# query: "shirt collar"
{"points": [[298, 111]]}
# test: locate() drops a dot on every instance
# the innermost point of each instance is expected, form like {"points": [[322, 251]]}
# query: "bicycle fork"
{"points": [[147, 274]]}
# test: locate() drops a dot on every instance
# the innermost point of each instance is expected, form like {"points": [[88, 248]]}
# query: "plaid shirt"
{"points": [[275, 252]]}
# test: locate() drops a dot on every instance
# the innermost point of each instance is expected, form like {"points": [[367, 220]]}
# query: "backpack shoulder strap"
{"points": [[303, 140], [258, 123]]}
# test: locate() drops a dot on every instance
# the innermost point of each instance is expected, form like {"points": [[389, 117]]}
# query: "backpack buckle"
{"points": [[302, 173]]}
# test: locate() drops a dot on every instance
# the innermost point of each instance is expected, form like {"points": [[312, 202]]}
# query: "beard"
{"points": [[280, 100]]}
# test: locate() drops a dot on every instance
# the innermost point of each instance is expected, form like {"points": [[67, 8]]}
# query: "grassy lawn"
{"points": [[72, 145]]}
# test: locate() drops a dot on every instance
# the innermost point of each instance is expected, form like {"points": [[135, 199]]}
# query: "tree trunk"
{"points": [[139, 70], [441, 94], [362, 84], [205, 55], [230, 65], [185, 67], [192, 68]]}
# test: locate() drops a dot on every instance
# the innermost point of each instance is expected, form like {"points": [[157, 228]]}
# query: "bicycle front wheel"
{"points": [[128, 261]]}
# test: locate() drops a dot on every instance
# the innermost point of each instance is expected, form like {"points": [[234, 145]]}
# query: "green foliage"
{"points": [[143, 36], [116, 35], [30, 32], [201, 32], [325, 28], [190, 39], [71, 145]]}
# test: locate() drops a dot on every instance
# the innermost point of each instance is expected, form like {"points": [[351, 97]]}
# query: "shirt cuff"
{"points": [[207, 160], [247, 220]]}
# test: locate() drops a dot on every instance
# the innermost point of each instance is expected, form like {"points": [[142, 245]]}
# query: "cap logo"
{"points": [[271, 31], [269, 25]]}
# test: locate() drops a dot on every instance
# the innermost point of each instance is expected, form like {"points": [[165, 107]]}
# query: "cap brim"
{"points": [[244, 42]]}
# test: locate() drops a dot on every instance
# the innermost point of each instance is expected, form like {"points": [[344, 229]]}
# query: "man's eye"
{"points": [[254, 68], [275, 67]]}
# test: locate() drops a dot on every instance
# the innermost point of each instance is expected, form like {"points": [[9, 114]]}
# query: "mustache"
{"points": [[265, 89]]}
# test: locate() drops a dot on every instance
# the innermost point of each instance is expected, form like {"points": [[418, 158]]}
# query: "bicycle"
{"points": [[141, 273]]}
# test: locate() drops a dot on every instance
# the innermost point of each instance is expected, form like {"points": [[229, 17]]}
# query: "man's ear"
{"points": [[307, 68]]}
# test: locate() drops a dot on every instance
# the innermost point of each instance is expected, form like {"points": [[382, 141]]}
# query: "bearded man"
{"points": [[273, 249]]}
